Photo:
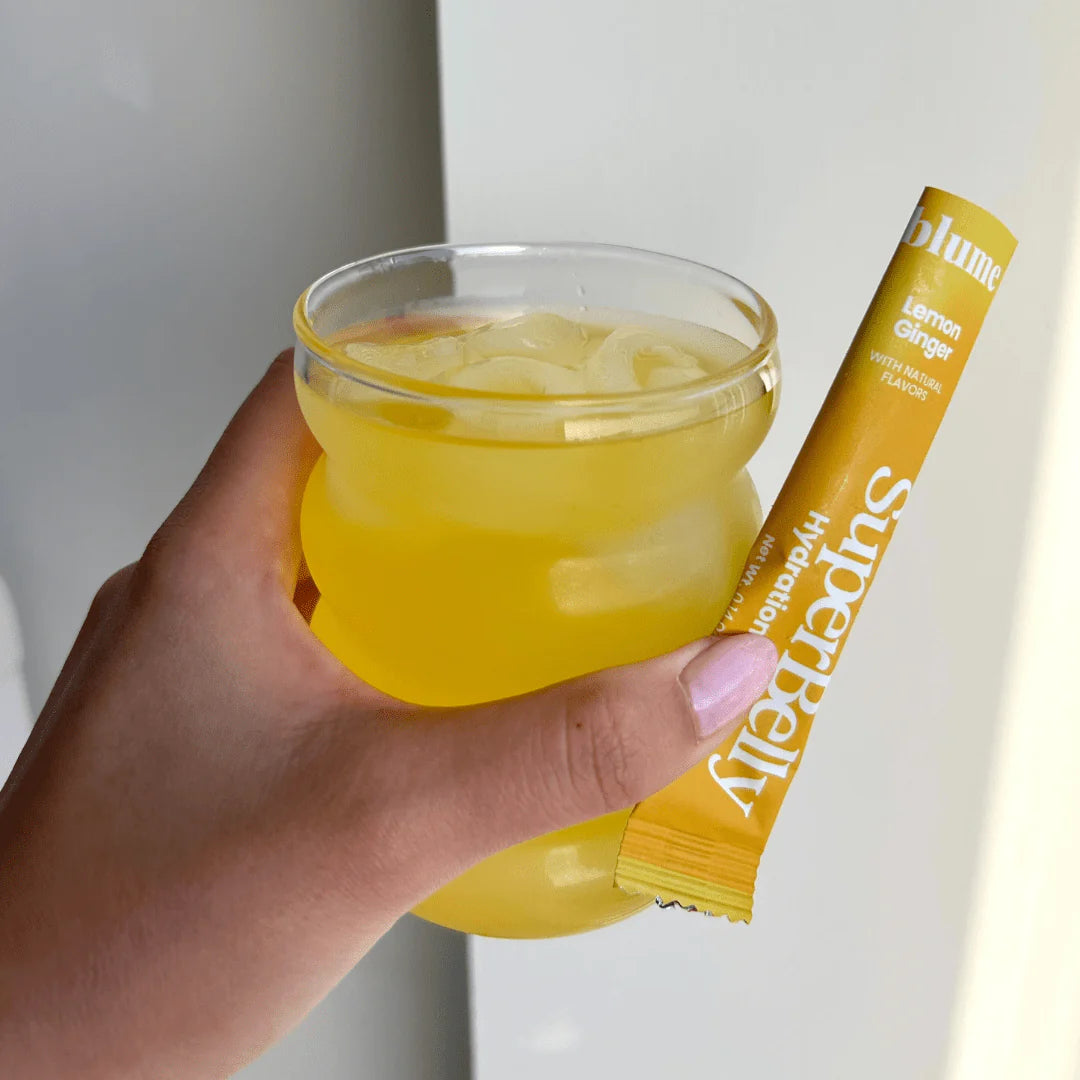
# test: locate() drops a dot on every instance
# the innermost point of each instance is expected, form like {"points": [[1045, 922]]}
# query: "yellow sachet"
{"points": [[698, 842]]}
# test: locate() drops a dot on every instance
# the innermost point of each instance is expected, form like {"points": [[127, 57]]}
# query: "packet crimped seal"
{"points": [[697, 843]]}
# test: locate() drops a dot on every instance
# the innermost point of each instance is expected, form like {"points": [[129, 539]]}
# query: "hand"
{"points": [[214, 819]]}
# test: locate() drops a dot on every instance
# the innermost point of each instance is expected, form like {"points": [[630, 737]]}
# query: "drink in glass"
{"points": [[534, 467]]}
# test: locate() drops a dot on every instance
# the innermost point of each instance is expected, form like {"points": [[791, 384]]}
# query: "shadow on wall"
{"points": [[174, 175]]}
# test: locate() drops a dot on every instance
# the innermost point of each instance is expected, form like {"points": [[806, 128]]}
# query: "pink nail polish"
{"points": [[724, 680]]}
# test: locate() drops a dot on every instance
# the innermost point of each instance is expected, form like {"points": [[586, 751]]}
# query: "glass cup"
{"points": [[471, 545]]}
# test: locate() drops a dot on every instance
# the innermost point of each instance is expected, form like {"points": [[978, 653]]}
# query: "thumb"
{"points": [[529, 765]]}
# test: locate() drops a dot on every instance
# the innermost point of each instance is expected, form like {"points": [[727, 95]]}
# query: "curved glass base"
{"points": [[570, 868]]}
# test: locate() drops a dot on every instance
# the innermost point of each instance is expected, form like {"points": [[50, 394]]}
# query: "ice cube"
{"points": [[662, 377], [628, 356], [648, 345], [540, 335], [517, 375], [715, 351], [610, 368], [423, 360]]}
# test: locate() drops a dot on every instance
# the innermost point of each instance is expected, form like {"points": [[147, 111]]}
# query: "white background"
{"points": [[171, 177], [787, 144]]}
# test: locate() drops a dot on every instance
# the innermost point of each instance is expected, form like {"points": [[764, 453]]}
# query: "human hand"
{"points": [[214, 819]]}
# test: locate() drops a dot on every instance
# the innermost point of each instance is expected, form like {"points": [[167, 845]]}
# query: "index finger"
{"points": [[248, 494]]}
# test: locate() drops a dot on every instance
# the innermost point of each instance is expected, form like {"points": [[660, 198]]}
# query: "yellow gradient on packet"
{"points": [[698, 842]]}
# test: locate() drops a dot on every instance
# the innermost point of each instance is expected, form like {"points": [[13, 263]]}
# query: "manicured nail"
{"points": [[724, 680]]}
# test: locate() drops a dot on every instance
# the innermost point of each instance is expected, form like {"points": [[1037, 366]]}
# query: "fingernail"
{"points": [[724, 680]]}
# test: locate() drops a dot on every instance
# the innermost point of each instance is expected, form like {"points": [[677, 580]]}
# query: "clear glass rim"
{"points": [[335, 359]]}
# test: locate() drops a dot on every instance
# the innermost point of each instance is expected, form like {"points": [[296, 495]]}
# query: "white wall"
{"points": [[171, 176], [787, 143], [1018, 1000]]}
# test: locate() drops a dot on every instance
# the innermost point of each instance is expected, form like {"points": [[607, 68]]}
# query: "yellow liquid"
{"points": [[520, 564]]}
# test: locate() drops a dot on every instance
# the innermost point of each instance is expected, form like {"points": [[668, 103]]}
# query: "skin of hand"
{"points": [[213, 819]]}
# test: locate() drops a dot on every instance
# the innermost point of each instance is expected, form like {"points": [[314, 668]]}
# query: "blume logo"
{"points": [[939, 240]]}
